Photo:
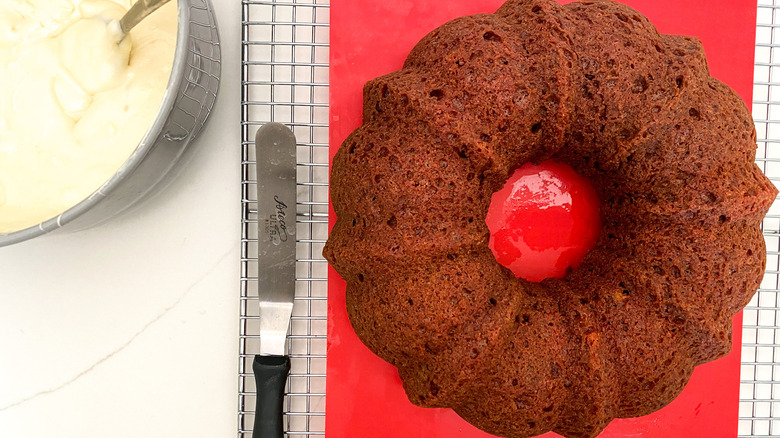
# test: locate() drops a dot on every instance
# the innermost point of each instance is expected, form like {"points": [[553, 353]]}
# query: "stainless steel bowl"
{"points": [[189, 97]]}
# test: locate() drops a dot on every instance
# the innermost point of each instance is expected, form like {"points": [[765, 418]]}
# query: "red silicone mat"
{"points": [[370, 38]]}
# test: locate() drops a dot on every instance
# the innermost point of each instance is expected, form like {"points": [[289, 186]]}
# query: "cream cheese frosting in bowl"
{"points": [[90, 122]]}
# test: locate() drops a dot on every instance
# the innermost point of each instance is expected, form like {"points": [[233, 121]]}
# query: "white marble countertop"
{"points": [[130, 329]]}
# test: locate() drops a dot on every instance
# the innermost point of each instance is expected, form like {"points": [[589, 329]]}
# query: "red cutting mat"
{"points": [[372, 37]]}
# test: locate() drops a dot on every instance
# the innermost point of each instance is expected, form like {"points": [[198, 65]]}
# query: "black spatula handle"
{"points": [[270, 376]]}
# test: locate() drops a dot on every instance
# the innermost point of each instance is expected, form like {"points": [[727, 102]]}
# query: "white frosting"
{"points": [[75, 101]]}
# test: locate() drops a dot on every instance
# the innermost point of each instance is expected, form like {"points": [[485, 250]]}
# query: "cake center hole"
{"points": [[543, 221]]}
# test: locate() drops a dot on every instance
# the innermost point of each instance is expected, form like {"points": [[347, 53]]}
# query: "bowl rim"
{"points": [[139, 153]]}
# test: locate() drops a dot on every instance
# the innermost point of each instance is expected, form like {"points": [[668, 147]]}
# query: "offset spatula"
{"points": [[276, 197]]}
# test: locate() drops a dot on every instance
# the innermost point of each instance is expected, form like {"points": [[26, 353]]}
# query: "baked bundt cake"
{"points": [[670, 152]]}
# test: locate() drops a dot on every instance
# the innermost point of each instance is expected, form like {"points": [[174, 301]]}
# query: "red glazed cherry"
{"points": [[544, 220]]}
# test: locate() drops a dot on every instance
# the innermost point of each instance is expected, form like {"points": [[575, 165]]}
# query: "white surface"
{"points": [[130, 329]]}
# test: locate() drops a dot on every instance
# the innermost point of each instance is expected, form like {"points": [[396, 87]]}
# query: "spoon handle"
{"points": [[138, 12]]}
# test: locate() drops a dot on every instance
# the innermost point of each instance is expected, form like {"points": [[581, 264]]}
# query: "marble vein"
{"points": [[122, 347]]}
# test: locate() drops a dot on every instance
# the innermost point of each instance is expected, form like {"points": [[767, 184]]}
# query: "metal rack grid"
{"points": [[285, 79], [759, 402]]}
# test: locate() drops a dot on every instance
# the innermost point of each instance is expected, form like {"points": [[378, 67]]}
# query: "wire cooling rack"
{"points": [[285, 79], [759, 410]]}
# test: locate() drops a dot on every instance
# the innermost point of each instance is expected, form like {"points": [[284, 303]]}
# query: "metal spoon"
{"points": [[140, 10]]}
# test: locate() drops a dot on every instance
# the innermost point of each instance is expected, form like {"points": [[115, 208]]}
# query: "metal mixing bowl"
{"points": [[189, 97]]}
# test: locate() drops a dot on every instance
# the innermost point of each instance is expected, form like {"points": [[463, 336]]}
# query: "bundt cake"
{"points": [[670, 152]]}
